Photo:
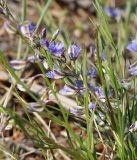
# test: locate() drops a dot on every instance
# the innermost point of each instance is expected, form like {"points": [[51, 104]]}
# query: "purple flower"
{"points": [[56, 49], [92, 73], [133, 71], [132, 47], [126, 85], [111, 12], [55, 74], [31, 28], [67, 91], [59, 46], [52, 48], [91, 106], [79, 83], [74, 111], [44, 43], [110, 92], [80, 87], [78, 110], [104, 57], [99, 93], [26, 29], [74, 51], [50, 74], [89, 86], [71, 90]]}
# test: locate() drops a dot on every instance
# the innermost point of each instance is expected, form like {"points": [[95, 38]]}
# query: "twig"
{"points": [[7, 98], [112, 153]]}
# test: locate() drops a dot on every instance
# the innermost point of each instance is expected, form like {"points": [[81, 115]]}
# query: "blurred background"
{"points": [[71, 16]]}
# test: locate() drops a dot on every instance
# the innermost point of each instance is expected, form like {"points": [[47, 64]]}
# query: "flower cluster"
{"points": [[57, 51]]}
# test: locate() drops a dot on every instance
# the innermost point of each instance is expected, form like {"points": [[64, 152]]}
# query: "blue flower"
{"points": [[43, 41], [91, 106], [133, 71], [99, 93], [74, 111], [52, 48], [92, 73], [104, 57], [80, 87], [67, 90], [56, 49], [50, 74], [55, 74], [78, 110], [59, 47], [26, 29], [114, 12], [31, 28], [74, 51], [111, 12], [132, 47], [126, 85], [89, 86], [77, 88], [71, 90], [79, 83]]}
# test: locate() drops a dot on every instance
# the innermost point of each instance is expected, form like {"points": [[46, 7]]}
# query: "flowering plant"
{"points": [[66, 86]]}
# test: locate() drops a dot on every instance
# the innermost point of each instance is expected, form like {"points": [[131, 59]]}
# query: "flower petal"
{"points": [[27, 28], [56, 49], [133, 71], [74, 51], [67, 91], [52, 48], [99, 92], [91, 106], [54, 74], [110, 11], [132, 47]]}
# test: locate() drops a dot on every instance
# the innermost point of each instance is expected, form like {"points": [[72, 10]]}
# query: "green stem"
{"points": [[43, 14], [23, 17]]}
